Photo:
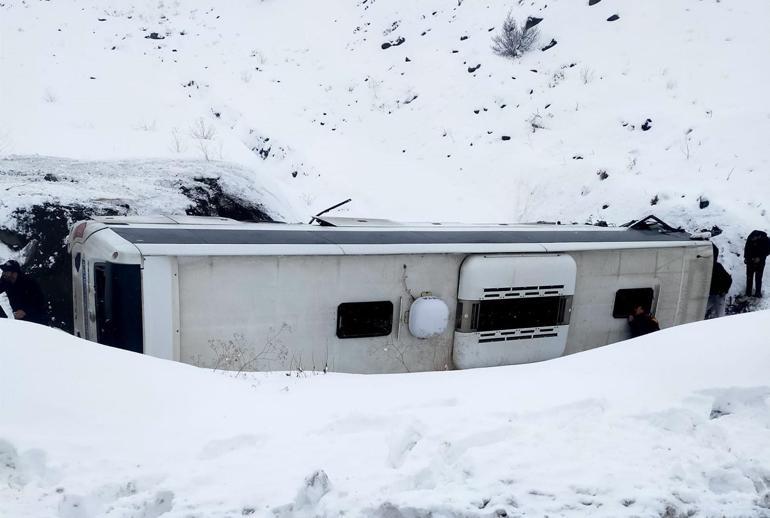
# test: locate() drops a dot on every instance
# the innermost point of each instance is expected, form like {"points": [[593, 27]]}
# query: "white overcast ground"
{"points": [[662, 426]]}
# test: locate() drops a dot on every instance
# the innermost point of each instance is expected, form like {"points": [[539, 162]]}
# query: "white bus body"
{"points": [[349, 296]]}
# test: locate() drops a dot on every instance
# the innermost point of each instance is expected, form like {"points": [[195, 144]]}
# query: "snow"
{"points": [[668, 424]]}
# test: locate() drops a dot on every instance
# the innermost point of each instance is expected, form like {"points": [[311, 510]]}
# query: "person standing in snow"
{"points": [[23, 293], [754, 255], [642, 322], [720, 285]]}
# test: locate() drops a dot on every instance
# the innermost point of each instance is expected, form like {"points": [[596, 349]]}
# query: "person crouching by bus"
{"points": [[23, 292], [642, 322]]}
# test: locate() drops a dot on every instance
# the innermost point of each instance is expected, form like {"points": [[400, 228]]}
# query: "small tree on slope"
{"points": [[514, 40]]}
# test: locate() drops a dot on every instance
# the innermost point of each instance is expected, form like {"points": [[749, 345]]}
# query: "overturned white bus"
{"points": [[374, 296]]}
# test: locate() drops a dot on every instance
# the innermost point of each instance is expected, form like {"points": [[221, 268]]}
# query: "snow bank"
{"points": [[668, 424], [150, 186]]}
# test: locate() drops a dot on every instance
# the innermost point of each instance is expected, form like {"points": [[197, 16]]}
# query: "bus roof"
{"points": [[218, 236]]}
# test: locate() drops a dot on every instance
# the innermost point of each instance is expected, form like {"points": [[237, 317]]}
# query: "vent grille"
{"points": [[507, 336], [522, 291]]}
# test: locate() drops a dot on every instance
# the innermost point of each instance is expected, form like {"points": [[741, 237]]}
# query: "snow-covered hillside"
{"points": [[671, 424], [302, 93]]}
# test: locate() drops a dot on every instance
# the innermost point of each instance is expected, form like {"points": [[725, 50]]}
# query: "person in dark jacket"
{"points": [[720, 285], [642, 322], [23, 292], [754, 255]]}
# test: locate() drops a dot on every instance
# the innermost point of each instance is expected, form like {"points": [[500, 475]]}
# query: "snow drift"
{"points": [[664, 425]]}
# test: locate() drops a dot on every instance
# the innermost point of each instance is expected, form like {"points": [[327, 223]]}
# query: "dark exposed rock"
{"points": [[154, 36], [50, 177], [647, 125], [703, 202], [473, 69], [613, 18], [654, 200], [531, 22], [593, 2], [550, 45], [505, 137], [396, 43], [602, 174], [463, 38]]}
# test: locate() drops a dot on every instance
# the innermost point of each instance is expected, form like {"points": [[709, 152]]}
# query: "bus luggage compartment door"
{"points": [[513, 309]]}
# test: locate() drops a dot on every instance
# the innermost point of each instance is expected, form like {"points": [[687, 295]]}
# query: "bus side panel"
{"points": [[160, 307], [283, 313], [696, 284], [679, 296]]}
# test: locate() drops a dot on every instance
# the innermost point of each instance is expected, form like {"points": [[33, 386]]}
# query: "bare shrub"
{"points": [[535, 122], [201, 130], [586, 75], [514, 40], [178, 145], [205, 148], [238, 355], [204, 133], [49, 96]]}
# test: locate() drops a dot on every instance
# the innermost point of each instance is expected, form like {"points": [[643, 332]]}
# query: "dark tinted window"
{"points": [[627, 300], [518, 313], [364, 319], [118, 294]]}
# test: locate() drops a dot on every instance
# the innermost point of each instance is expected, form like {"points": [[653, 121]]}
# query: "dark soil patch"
{"points": [[209, 199]]}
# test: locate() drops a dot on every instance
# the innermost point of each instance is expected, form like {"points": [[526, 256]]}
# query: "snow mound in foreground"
{"points": [[666, 425]]}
